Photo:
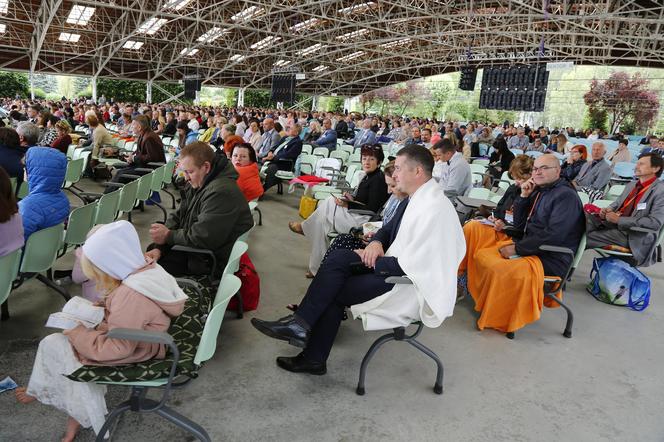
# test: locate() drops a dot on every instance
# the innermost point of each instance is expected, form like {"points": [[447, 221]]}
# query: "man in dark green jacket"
{"points": [[212, 214]]}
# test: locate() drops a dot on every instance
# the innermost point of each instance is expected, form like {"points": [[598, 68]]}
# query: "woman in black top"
{"points": [[333, 214], [499, 161]]}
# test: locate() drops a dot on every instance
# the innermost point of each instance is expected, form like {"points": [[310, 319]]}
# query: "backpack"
{"points": [[251, 285], [615, 282]]}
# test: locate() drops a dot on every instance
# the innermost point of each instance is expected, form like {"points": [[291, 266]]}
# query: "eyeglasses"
{"points": [[543, 168]]}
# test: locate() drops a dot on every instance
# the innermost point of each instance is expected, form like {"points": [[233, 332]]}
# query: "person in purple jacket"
{"points": [[11, 226]]}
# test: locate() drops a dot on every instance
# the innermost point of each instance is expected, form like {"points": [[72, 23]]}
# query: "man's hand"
{"points": [[155, 254], [498, 225], [371, 253], [340, 203], [507, 251], [269, 156], [527, 188], [612, 217], [159, 233], [348, 196]]}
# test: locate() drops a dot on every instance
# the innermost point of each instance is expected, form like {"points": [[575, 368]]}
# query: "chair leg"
{"points": [[172, 197], [260, 216], [5, 311], [280, 188], [161, 208], [240, 306], [129, 216], [123, 407], [184, 423], [54, 286], [438, 386], [570, 316], [367, 357]]}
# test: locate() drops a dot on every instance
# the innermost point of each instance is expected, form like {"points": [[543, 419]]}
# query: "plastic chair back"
{"points": [[41, 249], [624, 169], [128, 197], [602, 203], [306, 148], [80, 222], [13, 181], [341, 155], [168, 172], [356, 158], [322, 152], [23, 190], [478, 168], [107, 207], [239, 249], [157, 178], [479, 193], [308, 164], [74, 172], [614, 192], [8, 271], [228, 287], [144, 187], [585, 199]]}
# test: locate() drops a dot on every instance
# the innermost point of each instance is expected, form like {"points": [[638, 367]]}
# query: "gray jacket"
{"points": [[643, 245], [596, 177], [269, 140]]}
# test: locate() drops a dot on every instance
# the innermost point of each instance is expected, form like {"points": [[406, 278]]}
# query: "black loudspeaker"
{"points": [[283, 88], [518, 88], [468, 77], [191, 87]]}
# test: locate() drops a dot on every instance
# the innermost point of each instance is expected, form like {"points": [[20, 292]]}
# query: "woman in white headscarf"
{"points": [[139, 294]]}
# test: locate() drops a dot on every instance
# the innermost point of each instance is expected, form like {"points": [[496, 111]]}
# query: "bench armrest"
{"points": [[398, 280], [206, 252], [557, 249], [362, 212]]}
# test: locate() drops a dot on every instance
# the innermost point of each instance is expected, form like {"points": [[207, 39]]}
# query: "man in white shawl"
{"points": [[423, 241]]}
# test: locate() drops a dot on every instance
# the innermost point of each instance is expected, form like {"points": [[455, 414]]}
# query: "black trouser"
{"points": [[182, 264], [334, 288], [270, 176], [121, 177]]}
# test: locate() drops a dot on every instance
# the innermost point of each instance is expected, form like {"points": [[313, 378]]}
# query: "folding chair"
{"points": [[307, 148], [322, 152], [73, 175], [79, 224], [107, 207], [253, 206], [39, 255], [399, 334], [138, 401], [9, 265]]}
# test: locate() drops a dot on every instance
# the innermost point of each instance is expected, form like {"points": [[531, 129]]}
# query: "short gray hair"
{"points": [[29, 131]]}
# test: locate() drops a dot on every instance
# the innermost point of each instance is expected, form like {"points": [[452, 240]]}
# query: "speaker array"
{"points": [[283, 88], [519, 88], [191, 86], [468, 77]]}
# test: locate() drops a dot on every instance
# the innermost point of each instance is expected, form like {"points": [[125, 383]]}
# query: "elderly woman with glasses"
{"points": [[333, 215]]}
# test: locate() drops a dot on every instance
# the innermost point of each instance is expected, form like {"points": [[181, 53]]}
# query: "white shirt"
{"points": [[193, 125]]}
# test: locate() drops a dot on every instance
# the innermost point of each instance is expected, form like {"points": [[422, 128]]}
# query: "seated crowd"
{"points": [[402, 219]]}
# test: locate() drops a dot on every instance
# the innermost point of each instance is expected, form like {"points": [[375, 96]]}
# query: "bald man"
{"points": [[269, 139], [507, 289], [595, 174]]}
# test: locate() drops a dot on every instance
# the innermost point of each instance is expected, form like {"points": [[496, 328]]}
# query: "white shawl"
{"points": [[429, 247]]}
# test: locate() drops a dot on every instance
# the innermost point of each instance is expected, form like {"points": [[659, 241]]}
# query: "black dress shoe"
{"points": [[289, 329], [299, 364]]}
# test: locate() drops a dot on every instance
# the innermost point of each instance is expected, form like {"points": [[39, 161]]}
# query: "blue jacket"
{"points": [[10, 160], [328, 139], [46, 205]]}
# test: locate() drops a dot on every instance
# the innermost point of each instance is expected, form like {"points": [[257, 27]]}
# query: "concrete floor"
{"points": [[603, 384]]}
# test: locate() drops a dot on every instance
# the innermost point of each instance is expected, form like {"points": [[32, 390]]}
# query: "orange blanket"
{"points": [[508, 293]]}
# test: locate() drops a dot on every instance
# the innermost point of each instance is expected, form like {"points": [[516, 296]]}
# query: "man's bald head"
{"points": [[546, 170]]}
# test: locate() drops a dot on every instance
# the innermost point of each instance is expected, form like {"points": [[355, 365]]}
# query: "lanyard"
{"points": [[629, 201], [532, 209]]}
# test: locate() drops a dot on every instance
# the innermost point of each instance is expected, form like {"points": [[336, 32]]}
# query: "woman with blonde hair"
{"points": [[139, 294]]}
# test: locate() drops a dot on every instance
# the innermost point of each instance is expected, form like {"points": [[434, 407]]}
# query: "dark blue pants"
{"points": [[334, 288]]}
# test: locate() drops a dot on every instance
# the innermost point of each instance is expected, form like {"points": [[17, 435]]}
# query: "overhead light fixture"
{"points": [[267, 41], [3, 28], [176, 4], [361, 7], [4, 6], [151, 26], [189, 52], [131, 44], [395, 43], [80, 15], [352, 35], [320, 68], [304, 25], [282, 63], [310, 50], [212, 35], [352, 56], [70, 38], [237, 57], [248, 13]]}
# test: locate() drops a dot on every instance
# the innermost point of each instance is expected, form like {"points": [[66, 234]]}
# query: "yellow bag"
{"points": [[307, 206]]}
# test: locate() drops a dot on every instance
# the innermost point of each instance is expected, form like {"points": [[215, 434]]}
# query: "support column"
{"points": [[94, 89], [314, 102], [148, 92], [240, 96], [197, 100], [31, 78]]}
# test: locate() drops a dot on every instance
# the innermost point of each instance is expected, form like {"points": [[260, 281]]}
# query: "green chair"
{"points": [[107, 207], [239, 249], [355, 158], [154, 180], [73, 175], [168, 179], [12, 180], [39, 255], [245, 236], [307, 149], [341, 155], [144, 191], [8, 271], [308, 164], [614, 192], [602, 203], [138, 401], [23, 190], [253, 206], [128, 198], [80, 222]]}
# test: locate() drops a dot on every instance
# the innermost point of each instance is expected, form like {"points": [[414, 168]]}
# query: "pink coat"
{"points": [[124, 308]]}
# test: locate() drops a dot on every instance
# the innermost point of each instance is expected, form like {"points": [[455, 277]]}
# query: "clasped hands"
{"points": [[609, 215]]}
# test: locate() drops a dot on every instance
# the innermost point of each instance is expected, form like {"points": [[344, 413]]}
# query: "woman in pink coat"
{"points": [[139, 294]]}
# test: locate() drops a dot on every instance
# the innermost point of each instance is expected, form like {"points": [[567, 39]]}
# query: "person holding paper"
{"points": [[423, 241], [332, 214], [139, 295], [640, 205], [506, 279]]}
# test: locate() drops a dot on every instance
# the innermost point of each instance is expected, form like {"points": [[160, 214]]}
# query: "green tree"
{"points": [[121, 90], [66, 87], [595, 118], [13, 83]]}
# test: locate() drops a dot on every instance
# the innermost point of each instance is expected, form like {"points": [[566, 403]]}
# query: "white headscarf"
{"points": [[115, 249]]}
